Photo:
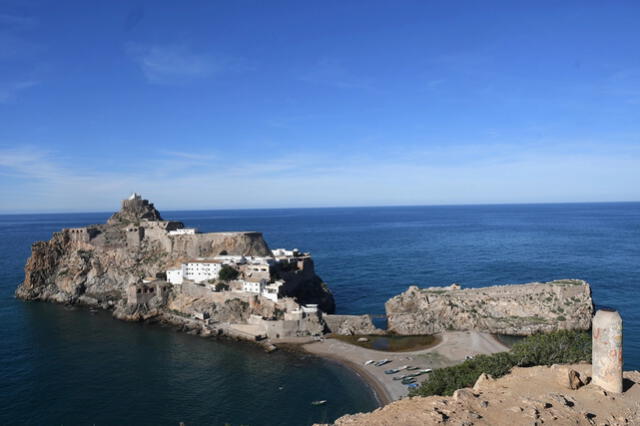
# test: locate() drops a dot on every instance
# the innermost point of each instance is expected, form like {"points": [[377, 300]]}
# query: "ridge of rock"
{"points": [[516, 309]]}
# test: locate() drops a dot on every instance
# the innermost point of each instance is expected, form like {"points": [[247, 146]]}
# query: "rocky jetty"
{"points": [[104, 265], [526, 396], [520, 309]]}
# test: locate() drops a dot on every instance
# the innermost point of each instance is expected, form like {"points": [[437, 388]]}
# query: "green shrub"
{"points": [[559, 347], [222, 287], [227, 273]]}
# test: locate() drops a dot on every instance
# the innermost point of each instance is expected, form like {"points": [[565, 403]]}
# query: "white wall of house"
{"points": [[175, 276], [202, 271], [252, 287], [183, 231]]}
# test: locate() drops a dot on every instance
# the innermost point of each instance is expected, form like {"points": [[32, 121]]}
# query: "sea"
{"points": [[65, 365]]}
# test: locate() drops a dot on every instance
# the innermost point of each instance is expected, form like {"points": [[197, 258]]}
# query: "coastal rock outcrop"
{"points": [[525, 396], [98, 265], [349, 325], [520, 309]]}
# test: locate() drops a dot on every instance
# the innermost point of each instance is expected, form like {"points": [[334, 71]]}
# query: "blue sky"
{"points": [[244, 104]]}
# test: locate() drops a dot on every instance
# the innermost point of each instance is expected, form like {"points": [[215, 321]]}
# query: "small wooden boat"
{"points": [[413, 385], [426, 370], [408, 381], [320, 402], [369, 362], [391, 371], [412, 368], [382, 362], [404, 376], [403, 367]]}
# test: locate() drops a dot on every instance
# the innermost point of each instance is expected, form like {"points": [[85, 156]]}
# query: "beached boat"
{"points": [[426, 370], [413, 385], [382, 362], [369, 362], [403, 367], [412, 368], [404, 376], [321, 402], [408, 381], [392, 371]]}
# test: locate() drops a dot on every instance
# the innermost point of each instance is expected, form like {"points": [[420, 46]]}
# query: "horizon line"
{"points": [[34, 212]]}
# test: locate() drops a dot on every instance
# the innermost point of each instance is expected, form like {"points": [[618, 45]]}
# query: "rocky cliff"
{"points": [[508, 309], [95, 265]]}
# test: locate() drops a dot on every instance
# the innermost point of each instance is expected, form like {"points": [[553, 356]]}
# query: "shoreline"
{"points": [[452, 349]]}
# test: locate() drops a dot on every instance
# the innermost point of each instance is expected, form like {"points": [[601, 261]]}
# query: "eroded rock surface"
{"points": [[526, 396], [520, 309]]}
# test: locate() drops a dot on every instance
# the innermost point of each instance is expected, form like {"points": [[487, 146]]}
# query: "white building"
{"points": [[201, 270], [183, 231], [175, 276], [310, 309], [253, 287], [229, 260], [271, 291], [280, 252], [198, 271]]}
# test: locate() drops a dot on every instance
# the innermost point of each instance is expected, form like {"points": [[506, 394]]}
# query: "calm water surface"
{"points": [[60, 365]]}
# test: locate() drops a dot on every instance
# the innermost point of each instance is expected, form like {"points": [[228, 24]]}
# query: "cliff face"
{"points": [[509, 309], [95, 265]]}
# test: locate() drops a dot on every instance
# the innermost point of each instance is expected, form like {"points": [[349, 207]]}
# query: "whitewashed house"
{"points": [[253, 287], [198, 271], [271, 291], [175, 275], [183, 231], [202, 270], [280, 252]]}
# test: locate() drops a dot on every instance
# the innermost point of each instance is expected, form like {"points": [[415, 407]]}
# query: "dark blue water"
{"points": [[69, 366]]}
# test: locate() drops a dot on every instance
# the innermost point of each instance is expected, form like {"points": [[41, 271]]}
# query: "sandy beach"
{"points": [[452, 349]]}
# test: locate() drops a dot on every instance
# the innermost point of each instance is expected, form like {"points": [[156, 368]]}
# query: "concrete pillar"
{"points": [[607, 350]]}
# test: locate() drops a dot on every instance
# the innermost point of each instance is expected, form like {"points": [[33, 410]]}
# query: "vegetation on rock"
{"points": [[558, 347], [227, 273]]}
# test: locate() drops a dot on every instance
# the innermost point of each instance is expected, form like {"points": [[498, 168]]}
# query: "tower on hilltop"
{"points": [[134, 209]]}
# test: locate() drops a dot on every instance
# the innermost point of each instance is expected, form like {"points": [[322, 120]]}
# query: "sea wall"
{"points": [[520, 309]]}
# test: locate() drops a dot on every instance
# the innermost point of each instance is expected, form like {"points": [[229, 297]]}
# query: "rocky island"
{"points": [[142, 267]]}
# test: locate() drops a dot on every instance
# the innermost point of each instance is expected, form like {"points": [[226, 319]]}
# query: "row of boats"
{"points": [[406, 379]]}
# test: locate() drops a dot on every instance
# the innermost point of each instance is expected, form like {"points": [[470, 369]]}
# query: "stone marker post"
{"points": [[607, 350]]}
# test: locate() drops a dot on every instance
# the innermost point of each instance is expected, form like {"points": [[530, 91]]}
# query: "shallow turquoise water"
{"points": [[70, 366]]}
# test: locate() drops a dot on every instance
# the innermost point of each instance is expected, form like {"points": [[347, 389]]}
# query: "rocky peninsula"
{"points": [[122, 266]]}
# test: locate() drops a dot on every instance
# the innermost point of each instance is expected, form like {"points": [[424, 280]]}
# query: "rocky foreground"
{"points": [[522, 309], [526, 396]]}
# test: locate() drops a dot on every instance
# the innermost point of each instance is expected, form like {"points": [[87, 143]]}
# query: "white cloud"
{"points": [[172, 63]]}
